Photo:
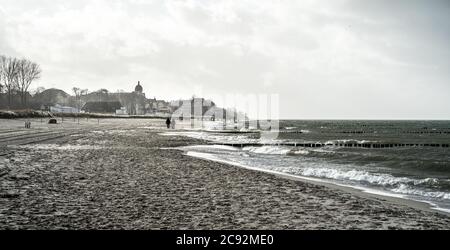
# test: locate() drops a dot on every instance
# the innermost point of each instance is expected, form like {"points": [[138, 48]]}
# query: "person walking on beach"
{"points": [[173, 123], [168, 122]]}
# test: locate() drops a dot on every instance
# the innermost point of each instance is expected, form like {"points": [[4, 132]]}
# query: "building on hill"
{"points": [[135, 103], [63, 109], [138, 89], [158, 106], [102, 101], [102, 107], [121, 111]]}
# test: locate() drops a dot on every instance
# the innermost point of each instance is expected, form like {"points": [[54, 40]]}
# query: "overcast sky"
{"points": [[326, 59]]}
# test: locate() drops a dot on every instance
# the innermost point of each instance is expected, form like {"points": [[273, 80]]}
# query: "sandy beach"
{"points": [[123, 174]]}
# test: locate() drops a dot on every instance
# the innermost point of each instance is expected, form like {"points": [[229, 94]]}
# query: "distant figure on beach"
{"points": [[172, 123], [168, 122]]}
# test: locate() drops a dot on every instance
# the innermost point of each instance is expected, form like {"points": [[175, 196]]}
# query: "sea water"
{"points": [[416, 165]]}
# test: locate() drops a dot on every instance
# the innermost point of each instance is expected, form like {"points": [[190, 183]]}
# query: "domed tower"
{"points": [[138, 88]]}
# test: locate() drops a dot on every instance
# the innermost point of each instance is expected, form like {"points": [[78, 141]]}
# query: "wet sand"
{"points": [[119, 174]]}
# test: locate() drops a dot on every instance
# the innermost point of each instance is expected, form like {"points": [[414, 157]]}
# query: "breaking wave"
{"points": [[406, 189], [272, 150], [385, 180]]}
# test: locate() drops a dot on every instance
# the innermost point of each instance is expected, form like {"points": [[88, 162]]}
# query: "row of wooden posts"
{"points": [[354, 145]]}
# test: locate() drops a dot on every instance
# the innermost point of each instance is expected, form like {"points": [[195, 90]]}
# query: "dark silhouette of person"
{"points": [[168, 122]]}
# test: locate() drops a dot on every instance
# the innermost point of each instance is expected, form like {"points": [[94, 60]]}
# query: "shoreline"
{"points": [[362, 192]]}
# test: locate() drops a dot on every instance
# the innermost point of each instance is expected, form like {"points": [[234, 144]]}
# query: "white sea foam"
{"points": [[324, 151], [406, 189], [343, 141], [273, 150], [210, 147], [300, 152], [185, 133], [385, 180]]}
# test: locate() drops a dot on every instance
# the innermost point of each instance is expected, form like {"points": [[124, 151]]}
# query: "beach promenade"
{"points": [[122, 174]]}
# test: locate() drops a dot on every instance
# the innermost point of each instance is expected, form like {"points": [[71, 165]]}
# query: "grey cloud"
{"points": [[321, 57]]}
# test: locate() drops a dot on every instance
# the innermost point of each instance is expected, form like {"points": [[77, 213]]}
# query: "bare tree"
{"points": [[9, 72], [27, 72], [77, 93]]}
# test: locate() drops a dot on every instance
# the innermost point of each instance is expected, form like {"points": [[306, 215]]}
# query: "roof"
{"points": [[102, 107]]}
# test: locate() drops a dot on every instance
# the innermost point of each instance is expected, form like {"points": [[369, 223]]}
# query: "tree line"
{"points": [[16, 76]]}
